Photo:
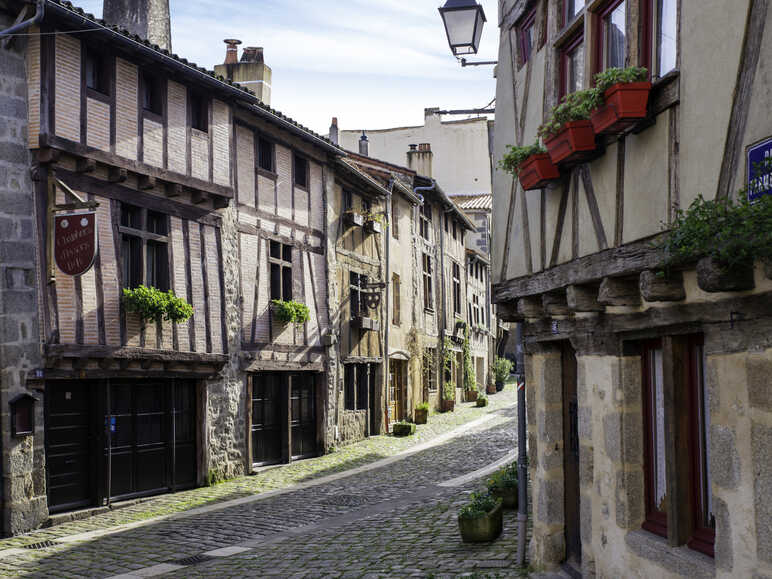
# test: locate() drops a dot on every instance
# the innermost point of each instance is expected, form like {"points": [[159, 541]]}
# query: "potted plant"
{"points": [[501, 368], [471, 395], [482, 401], [374, 222], [503, 484], [151, 304], [290, 312], [448, 402], [481, 520], [490, 387], [623, 95], [421, 414], [403, 428], [354, 218], [531, 164], [568, 135]]}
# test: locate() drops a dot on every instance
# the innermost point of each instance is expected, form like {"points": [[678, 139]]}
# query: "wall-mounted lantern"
{"points": [[464, 20], [23, 415]]}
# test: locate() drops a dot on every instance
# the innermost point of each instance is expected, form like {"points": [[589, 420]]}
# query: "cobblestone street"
{"points": [[389, 510]]}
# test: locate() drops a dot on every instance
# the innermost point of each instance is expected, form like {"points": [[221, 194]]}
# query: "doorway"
{"points": [[397, 390], [303, 412], [571, 458], [266, 419]]}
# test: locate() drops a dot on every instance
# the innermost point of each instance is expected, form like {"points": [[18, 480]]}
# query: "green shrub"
{"points": [[422, 406], [480, 505], [448, 391], [151, 304], [502, 367], [470, 382], [576, 106], [611, 76], [506, 478], [482, 401], [403, 428], [511, 161], [291, 312]]}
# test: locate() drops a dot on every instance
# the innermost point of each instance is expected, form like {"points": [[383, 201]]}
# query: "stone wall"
{"points": [[23, 459]]}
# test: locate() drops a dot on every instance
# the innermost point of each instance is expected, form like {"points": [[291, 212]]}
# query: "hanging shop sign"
{"points": [[75, 242], [759, 170]]}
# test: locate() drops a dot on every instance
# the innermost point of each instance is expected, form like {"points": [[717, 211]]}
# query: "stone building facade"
{"points": [[648, 397]]}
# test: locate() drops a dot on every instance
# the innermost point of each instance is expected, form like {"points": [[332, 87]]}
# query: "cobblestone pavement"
{"points": [[385, 520]]}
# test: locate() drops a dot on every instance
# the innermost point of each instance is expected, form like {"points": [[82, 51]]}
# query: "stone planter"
{"points": [[482, 402], [373, 226], [470, 395], [482, 529], [625, 104], [420, 416], [712, 278], [575, 143], [536, 171], [447, 405], [499, 386], [507, 495], [403, 429]]}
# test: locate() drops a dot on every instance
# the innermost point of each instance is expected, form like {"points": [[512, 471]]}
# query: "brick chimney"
{"points": [[419, 159], [334, 130], [249, 71], [145, 18], [364, 145]]}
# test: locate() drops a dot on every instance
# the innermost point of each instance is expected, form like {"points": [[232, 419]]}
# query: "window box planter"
{"points": [[373, 226], [470, 395], [536, 171], [625, 105], [575, 143], [353, 218], [421, 416], [712, 278], [364, 323], [447, 405], [482, 529], [403, 429]]}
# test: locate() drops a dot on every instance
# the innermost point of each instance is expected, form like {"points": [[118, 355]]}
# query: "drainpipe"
{"points": [[522, 455], [37, 19], [441, 375], [386, 320]]}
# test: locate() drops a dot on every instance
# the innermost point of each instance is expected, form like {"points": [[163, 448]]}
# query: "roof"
{"points": [[378, 175], [81, 20], [474, 202], [350, 168]]}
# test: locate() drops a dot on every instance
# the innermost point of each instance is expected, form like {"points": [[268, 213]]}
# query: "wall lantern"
{"points": [[464, 20], [22, 415]]}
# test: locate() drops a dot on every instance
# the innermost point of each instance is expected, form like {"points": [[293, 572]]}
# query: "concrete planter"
{"points": [[482, 529], [420, 416], [625, 104], [403, 429], [507, 495], [575, 143], [447, 405], [470, 395], [712, 278], [536, 171]]}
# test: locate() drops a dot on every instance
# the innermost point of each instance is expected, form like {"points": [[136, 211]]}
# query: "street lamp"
{"points": [[464, 21]]}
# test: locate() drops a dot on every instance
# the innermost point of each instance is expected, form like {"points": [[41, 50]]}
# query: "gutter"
{"points": [[40, 13]]}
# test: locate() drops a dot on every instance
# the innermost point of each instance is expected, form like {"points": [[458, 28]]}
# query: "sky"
{"points": [[371, 63]]}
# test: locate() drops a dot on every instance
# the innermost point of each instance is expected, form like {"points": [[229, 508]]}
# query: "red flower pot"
{"points": [[574, 143], [536, 171], [625, 105]]}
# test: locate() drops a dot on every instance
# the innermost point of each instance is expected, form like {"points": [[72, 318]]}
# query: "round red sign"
{"points": [[75, 242]]}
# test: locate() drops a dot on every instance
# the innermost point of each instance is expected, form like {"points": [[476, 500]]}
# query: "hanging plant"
{"points": [[291, 312], [151, 304]]}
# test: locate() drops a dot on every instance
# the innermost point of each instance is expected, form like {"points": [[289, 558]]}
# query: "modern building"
{"points": [[648, 397]]}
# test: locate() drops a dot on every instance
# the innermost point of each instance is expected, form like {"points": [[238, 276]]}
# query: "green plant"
{"points": [[506, 478], [515, 156], [152, 304], [448, 391], [480, 505], [422, 406], [576, 106], [470, 383], [375, 216], [502, 367], [611, 76], [291, 312], [733, 233], [482, 401]]}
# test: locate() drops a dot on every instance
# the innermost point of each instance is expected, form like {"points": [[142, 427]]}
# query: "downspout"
{"points": [[440, 374], [40, 13], [386, 318], [522, 455]]}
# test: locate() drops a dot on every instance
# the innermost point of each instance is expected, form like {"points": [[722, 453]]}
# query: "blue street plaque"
{"points": [[759, 170]]}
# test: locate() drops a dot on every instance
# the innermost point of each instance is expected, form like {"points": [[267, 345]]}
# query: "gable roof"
{"points": [[474, 202]]}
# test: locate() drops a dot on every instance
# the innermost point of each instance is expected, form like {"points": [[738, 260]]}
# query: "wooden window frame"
{"points": [[149, 81], [306, 184], [358, 294], [425, 221], [600, 15], [199, 105], [566, 50], [146, 240], [430, 371], [526, 22], [284, 267], [651, 24], [353, 385], [104, 64], [567, 19], [270, 156], [456, 277], [655, 521], [428, 285], [396, 314]]}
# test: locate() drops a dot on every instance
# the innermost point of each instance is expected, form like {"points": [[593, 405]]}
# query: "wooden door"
{"points": [[303, 415], [266, 419], [397, 390], [571, 457]]}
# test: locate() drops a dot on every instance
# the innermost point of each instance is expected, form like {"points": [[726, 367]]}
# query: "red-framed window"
{"points": [[659, 45], [526, 35], [572, 65], [655, 472], [571, 9], [611, 37]]}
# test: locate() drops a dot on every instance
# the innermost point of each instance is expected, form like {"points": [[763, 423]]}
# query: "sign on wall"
{"points": [[759, 170], [75, 242]]}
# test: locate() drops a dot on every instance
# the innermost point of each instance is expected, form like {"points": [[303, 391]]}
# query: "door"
{"points": [[68, 445], [397, 390], [303, 415], [266, 419], [571, 457]]}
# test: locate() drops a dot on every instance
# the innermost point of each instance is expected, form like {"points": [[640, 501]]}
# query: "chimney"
{"points": [[146, 18], [364, 146], [334, 130], [419, 159], [250, 71]]}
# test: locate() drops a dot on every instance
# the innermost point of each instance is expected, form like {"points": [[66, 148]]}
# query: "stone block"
{"points": [[723, 545], [550, 509], [8, 228], [584, 416], [12, 107], [15, 154], [552, 380], [25, 516], [681, 561], [19, 278], [619, 292], [630, 502], [761, 451], [18, 301], [759, 370], [9, 330], [724, 459], [583, 299], [612, 436], [712, 278], [554, 303], [16, 251], [661, 289], [547, 550], [551, 426], [585, 518], [586, 466]]}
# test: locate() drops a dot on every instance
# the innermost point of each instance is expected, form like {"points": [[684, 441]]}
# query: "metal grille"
{"points": [[42, 545], [194, 560]]}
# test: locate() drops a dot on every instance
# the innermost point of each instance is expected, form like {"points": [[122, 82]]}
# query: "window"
{"points": [[396, 301], [611, 47], [455, 230], [526, 32], [476, 310], [571, 8], [666, 36], [280, 259], [394, 218], [425, 222], [144, 248], [199, 112], [265, 155], [358, 293], [654, 429], [97, 72], [456, 289], [430, 369], [152, 100], [428, 293], [301, 172], [356, 379], [447, 222], [348, 200], [572, 66]]}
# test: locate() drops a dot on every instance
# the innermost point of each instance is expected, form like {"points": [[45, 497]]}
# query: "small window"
{"points": [[455, 230], [358, 294], [396, 300], [348, 200], [97, 72], [654, 449], [612, 47], [572, 66], [301, 172], [144, 248], [152, 92], [456, 289], [430, 369], [394, 218], [526, 32], [425, 221], [666, 35], [571, 8], [199, 112], [265, 155], [356, 379], [428, 285], [280, 259]]}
